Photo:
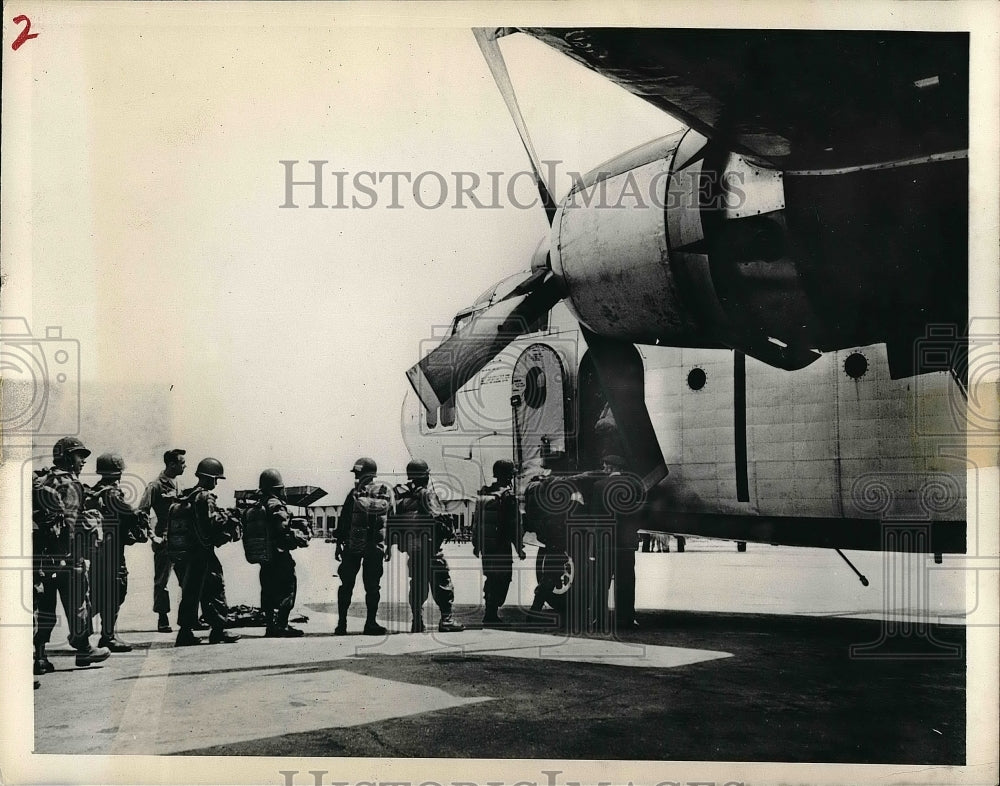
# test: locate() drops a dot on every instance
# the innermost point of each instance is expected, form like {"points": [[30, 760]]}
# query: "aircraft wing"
{"points": [[801, 99]]}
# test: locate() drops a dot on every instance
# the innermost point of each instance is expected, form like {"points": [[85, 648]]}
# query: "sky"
{"points": [[209, 317]]}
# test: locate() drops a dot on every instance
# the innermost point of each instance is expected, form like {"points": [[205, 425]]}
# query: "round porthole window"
{"points": [[696, 379], [856, 365]]}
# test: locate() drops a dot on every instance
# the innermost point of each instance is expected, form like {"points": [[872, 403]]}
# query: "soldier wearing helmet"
{"points": [[202, 570], [421, 526], [361, 534], [122, 527], [617, 498], [63, 534], [278, 583], [495, 530], [157, 499]]}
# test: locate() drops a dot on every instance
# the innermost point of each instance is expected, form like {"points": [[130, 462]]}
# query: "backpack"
{"points": [[130, 527], [369, 518], [493, 510], [45, 535], [182, 537], [258, 545]]}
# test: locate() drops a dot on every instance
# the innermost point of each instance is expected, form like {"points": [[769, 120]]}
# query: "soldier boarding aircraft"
{"points": [[783, 327]]}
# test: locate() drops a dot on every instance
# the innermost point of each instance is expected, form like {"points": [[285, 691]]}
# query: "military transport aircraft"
{"points": [[783, 326]]}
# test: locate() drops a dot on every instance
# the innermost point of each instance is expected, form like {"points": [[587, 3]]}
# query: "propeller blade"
{"points": [[461, 356], [622, 377], [487, 40]]}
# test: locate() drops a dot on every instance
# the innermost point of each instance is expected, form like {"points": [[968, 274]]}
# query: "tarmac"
{"points": [[773, 654]]}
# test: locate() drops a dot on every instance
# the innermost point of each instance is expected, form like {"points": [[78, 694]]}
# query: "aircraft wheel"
{"points": [[559, 569]]}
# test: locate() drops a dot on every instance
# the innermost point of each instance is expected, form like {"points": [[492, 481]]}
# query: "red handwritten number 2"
{"points": [[25, 34]]}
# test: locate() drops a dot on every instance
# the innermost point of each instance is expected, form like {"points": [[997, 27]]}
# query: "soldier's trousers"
{"points": [[624, 585], [69, 578], [109, 581], [428, 570], [202, 584], [371, 564], [278, 586], [162, 565], [498, 568]]}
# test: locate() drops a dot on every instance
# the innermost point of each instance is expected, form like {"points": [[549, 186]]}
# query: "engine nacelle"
{"points": [[683, 243]]}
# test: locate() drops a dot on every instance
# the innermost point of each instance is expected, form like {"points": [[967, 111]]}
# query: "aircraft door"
{"points": [[539, 388]]}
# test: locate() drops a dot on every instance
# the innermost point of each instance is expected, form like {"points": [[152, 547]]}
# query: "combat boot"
{"points": [[163, 624], [219, 636], [418, 624], [372, 628], [492, 616], [186, 638], [448, 624], [341, 629], [114, 644], [91, 656], [288, 632], [42, 664]]}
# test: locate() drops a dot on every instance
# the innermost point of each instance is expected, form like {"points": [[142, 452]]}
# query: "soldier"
{"points": [[420, 519], [158, 497], [361, 534], [564, 563], [63, 537], [618, 496], [201, 525], [122, 526], [277, 572], [495, 530]]}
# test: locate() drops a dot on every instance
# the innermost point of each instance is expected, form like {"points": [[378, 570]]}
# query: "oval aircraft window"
{"points": [[534, 387], [696, 379]]}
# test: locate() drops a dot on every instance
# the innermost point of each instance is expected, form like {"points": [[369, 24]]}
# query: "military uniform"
{"points": [[158, 497], [63, 539], [365, 553], [123, 526], [63, 544], [617, 498], [420, 530], [201, 567], [278, 583], [495, 531]]}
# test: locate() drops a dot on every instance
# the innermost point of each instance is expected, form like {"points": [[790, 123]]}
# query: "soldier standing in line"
{"points": [[361, 536], [63, 537], [618, 496], [122, 526], [494, 532], [422, 528], [158, 497], [278, 583], [201, 525]]}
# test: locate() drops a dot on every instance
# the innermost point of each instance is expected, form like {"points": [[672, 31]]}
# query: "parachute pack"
{"points": [[182, 536], [372, 505], [110, 504], [258, 544], [50, 532], [494, 509]]}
